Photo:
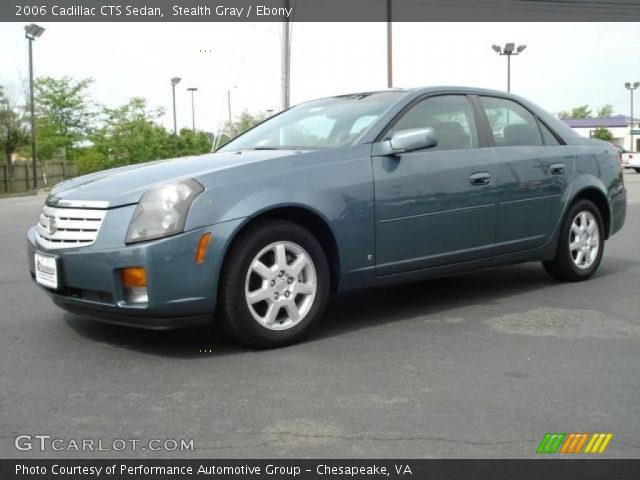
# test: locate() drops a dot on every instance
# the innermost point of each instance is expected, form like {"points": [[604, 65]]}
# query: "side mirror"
{"points": [[408, 141]]}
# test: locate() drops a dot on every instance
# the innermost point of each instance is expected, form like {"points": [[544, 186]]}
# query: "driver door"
{"points": [[438, 205]]}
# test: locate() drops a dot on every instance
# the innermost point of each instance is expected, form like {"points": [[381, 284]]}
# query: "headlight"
{"points": [[162, 211]]}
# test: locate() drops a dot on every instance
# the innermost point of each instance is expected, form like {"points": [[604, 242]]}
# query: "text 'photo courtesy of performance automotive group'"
{"points": [[304, 239]]}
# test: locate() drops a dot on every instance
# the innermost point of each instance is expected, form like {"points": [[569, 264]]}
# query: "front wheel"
{"points": [[275, 284], [580, 245]]}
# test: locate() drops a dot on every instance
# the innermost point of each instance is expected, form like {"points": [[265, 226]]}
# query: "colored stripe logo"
{"points": [[551, 442], [598, 443], [574, 443]]}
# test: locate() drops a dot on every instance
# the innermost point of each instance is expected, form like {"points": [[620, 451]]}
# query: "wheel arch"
{"points": [[306, 217], [599, 199]]}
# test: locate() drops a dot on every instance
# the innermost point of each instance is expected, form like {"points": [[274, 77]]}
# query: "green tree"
{"points": [[603, 134], [129, 134], [64, 115], [90, 160], [13, 132], [190, 143], [240, 125], [583, 111], [605, 111]]}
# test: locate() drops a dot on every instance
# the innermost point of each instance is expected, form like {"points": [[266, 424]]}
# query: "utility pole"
{"points": [[631, 88], [285, 66], [193, 108], [389, 47], [230, 117]]}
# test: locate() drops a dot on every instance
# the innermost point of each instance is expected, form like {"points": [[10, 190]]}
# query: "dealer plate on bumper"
{"points": [[46, 270]]}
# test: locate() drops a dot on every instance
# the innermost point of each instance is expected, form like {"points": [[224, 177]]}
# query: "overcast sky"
{"points": [[565, 65]]}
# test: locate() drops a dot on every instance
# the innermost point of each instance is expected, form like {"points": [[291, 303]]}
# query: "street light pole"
{"points": [[509, 50], [508, 73], [631, 88], [33, 115], [31, 32], [175, 81], [193, 108], [285, 67], [389, 47]]}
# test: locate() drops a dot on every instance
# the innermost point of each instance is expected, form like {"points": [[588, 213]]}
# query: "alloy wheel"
{"points": [[281, 285], [584, 240]]}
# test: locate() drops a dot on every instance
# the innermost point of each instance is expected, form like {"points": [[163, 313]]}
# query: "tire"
{"points": [[637, 170], [288, 303], [569, 264]]}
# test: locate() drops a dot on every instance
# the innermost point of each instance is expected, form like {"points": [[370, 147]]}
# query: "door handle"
{"points": [[480, 178], [558, 169]]}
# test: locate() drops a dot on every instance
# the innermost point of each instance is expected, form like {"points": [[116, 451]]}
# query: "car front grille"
{"points": [[68, 227]]}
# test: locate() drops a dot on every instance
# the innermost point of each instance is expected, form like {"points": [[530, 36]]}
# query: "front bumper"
{"points": [[180, 292]]}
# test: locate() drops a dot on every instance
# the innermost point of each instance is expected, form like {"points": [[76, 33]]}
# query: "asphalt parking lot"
{"points": [[473, 366]]}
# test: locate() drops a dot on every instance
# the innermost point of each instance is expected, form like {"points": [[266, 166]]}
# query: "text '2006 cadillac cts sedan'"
{"points": [[334, 194]]}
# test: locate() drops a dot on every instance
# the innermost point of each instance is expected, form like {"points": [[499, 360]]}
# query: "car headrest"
{"points": [[451, 135], [520, 134]]}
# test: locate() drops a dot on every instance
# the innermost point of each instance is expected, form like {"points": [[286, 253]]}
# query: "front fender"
{"points": [[336, 185]]}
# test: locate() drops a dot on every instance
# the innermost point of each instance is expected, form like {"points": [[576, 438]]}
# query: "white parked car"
{"points": [[629, 159]]}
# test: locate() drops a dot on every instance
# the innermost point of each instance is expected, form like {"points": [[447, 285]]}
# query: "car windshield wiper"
{"points": [[283, 147], [289, 147]]}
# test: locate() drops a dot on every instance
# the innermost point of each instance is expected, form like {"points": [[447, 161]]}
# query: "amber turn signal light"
{"points": [[133, 277], [201, 251]]}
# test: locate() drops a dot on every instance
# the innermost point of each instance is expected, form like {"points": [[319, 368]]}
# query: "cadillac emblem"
{"points": [[52, 226]]}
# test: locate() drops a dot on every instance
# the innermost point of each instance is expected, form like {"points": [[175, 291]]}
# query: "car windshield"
{"points": [[330, 122]]}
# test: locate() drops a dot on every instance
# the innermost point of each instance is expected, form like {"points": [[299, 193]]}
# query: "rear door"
{"points": [[435, 206], [534, 171]]}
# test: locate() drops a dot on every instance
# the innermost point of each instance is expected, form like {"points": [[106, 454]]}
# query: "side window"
{"points": [[511, 124], [449, 115], [548, 137]]}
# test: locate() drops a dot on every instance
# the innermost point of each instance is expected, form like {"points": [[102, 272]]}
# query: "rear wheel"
{"points": [[637, 170], [580, 245], [275, 284]]}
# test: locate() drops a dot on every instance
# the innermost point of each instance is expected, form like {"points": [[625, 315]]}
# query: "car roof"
{"points": [[461, 89], [418, 91]]}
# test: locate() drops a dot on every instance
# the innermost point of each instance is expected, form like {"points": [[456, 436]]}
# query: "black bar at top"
{"points": [[317, 10]]}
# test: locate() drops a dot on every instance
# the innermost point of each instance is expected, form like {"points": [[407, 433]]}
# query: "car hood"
{"points": [[125, 186]]}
